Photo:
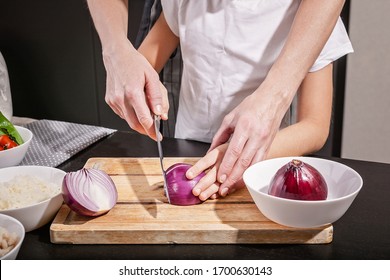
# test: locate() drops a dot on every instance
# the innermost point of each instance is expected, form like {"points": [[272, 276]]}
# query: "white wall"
{"points": [[366, 127]]}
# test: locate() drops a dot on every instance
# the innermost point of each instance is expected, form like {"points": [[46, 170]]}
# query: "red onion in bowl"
{"points": [[300, 181], [89, 192], [179, 188]]}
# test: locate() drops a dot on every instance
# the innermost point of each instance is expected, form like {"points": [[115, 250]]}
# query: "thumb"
{"points": [[153, 93]]}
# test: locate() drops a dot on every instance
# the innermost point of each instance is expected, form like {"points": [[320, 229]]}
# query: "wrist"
{"points": [[117, 48], [116, 45], [279, 89]]}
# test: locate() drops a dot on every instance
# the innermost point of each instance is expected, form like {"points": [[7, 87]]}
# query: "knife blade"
{"points": [[157, 123]]}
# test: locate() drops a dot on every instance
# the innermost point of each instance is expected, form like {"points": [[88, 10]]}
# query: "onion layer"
{"points": [[89, 192], [179, 188], [300, 181]]}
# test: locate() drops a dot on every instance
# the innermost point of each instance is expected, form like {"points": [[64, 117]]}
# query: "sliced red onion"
{"points": [[179, 188], [89, 192], [300, 181]]}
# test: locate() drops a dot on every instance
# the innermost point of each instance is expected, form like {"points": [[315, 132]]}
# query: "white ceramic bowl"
{"points": [[38, 214], [343, 182], [15, 155], [12, 226]]}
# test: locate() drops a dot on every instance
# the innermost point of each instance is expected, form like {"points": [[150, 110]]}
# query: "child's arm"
{"points": [[307, 135], [314, 111], [159, 44]]}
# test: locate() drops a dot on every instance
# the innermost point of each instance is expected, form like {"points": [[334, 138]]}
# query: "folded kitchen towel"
{"points": [[55, 141]]}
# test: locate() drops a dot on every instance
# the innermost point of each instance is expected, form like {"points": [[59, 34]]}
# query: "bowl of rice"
{"points": [[11, 237], [31, 194]]}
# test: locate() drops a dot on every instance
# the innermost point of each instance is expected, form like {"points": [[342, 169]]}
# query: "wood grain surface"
{"points": [[143, 216]]}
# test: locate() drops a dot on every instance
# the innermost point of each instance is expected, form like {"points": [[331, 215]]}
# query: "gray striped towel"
{"points": [[55, 141]]}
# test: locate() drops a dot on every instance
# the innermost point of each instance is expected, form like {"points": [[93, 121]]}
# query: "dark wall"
{"points": [[53, 55]]}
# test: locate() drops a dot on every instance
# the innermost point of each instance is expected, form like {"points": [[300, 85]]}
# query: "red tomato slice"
{"points": [[6, 143]]}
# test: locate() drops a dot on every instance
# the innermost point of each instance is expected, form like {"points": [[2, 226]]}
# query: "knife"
{"points": [[157, 120]]}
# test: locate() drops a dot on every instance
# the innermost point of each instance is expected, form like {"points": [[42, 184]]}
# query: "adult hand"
{"points": [[251, 128], [133, 89]]}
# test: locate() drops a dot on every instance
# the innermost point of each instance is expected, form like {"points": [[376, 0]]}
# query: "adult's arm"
{"points": [[314, 112], [251, 127], [133, 86]]}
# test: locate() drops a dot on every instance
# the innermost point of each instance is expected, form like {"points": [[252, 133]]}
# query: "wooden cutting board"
{"points": [[143, 216]]}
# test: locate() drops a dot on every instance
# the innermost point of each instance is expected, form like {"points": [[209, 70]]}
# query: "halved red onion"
{"points": [[300, 181], [89, 192], [179, 188]]}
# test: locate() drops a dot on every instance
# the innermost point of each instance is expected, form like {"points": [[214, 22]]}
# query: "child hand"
{"points": [[209, 186]]}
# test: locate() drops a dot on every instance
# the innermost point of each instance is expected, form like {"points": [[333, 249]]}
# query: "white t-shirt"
{"points": [[228, 47]]}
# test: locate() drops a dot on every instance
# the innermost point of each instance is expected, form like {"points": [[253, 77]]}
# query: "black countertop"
{"points": [[362, 233]]}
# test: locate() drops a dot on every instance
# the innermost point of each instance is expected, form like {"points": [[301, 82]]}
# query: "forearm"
{"points": [[110, 19], [297, 140], [159, 44], [314, 111], [310, 31]]}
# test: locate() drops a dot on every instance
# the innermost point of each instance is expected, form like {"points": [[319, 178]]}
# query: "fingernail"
{"points": [[190, 175], [224, 192], [202, 197], [158, 109], [196, 191], [222, 178]]}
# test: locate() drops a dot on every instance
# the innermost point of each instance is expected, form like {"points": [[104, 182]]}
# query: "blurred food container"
{"points": [[5, 90]]}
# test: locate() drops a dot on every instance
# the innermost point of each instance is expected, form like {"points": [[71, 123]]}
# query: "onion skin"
{"points": [[300, 181], [179, 188], [75, 187]]}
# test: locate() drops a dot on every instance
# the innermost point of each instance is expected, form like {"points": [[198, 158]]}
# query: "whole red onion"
{"points": [[300, 181], [179, 188]]}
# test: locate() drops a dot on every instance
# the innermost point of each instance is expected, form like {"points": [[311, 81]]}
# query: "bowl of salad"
{"points": [[14, 142]]}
